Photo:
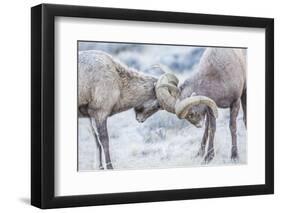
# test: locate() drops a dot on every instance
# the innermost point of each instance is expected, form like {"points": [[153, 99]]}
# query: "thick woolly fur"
{"points": [[108, 85], [221, 76]]}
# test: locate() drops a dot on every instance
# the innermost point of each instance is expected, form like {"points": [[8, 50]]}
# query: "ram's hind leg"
{"points": [[212, 130], [234, 109], [244, 106], [202, 148]]}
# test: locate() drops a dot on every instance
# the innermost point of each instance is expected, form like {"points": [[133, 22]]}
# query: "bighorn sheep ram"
{"points": [[107, 87], [221, 76]]}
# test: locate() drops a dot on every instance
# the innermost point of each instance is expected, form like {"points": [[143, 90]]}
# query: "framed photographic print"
{"points": [[139, 106]]}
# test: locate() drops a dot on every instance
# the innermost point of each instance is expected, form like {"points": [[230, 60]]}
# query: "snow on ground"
{"points": [[162, 141]]}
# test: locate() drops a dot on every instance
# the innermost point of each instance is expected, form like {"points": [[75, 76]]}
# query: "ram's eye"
{"points": [[191, 115], [140, 110]]}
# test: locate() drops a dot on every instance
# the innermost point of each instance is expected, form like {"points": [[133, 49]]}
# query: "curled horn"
{"points": [[182, 107], [167, 91]]}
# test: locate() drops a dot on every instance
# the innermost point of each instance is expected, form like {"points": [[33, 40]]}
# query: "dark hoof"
{"points": [[234, 155], [209, 157], [234, 158], [109, 166]]}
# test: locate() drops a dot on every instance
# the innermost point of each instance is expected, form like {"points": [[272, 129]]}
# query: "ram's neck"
{"points": [[135, 90], [189, 86]]}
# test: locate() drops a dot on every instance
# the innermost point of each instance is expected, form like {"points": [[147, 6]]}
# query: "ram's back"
{"points": [[97, 78], [221, 76]]}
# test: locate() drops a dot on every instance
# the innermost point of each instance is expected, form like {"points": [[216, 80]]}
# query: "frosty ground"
{"points": [[162, 141], [158, 144]]}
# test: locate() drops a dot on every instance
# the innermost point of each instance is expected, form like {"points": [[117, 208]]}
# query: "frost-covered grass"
{"points": [[162, 141]]}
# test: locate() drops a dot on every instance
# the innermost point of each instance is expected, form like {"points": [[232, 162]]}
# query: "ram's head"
{"points": [[146, 109], [168, 98], [192, 108]]}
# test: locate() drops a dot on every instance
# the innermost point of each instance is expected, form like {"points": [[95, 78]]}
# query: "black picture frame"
{"points": [[43, 102]]}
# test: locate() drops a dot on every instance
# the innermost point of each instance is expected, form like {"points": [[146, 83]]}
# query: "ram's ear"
{"points": [[193, 94]]}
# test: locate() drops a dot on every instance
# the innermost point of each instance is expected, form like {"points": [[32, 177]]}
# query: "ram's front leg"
{"points": [[101, 124], [103, 135], [98, 143], [202, 148], [212, 130]]}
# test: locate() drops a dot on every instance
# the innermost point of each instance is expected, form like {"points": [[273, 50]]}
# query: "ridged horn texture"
{"points": [[167, 91], [182, 107]]}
